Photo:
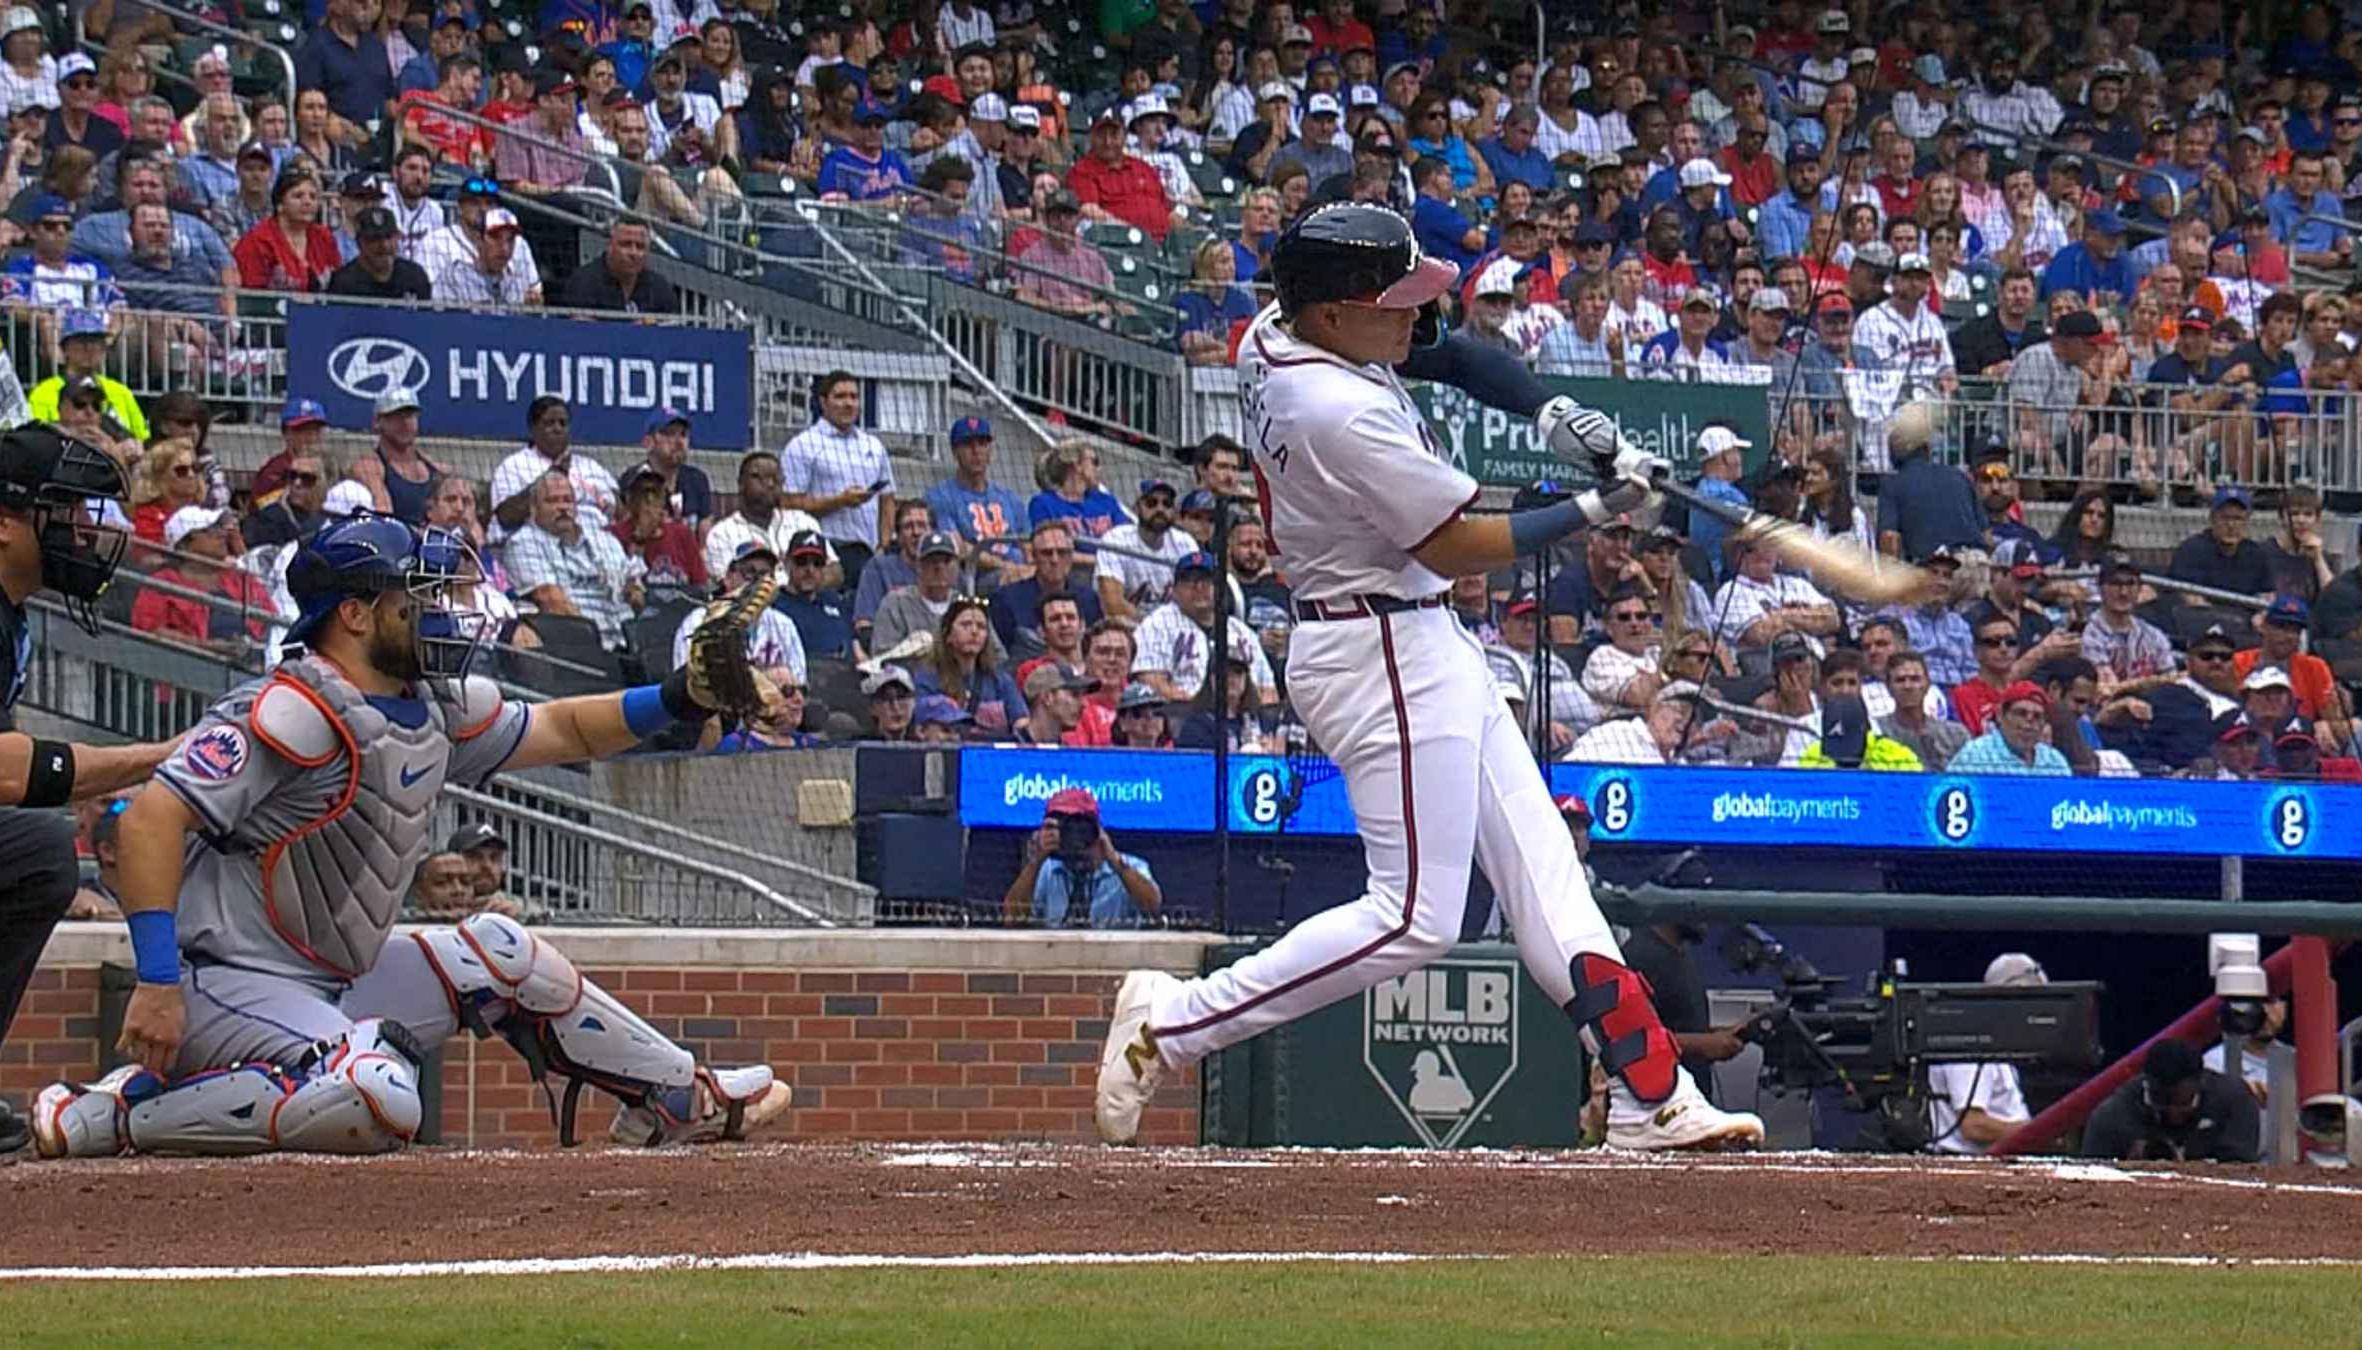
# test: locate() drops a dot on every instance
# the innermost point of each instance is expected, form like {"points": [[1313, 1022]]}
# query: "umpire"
{"points": [[54, 491]]}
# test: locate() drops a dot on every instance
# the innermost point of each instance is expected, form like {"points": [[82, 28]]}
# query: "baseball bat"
{"points": [[1838, 563]]}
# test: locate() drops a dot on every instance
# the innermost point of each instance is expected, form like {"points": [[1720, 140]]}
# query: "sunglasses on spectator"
{"points": [[1633, 616], [79, 82], [2211, 654], [184, 470], [1995, 640], [2347, 122], [299, 479]]}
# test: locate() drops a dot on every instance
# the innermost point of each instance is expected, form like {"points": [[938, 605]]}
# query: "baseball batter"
{"points": [[1371, 520], [263, 868]]}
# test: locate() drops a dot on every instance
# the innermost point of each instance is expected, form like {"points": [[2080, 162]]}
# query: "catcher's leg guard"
{"points": [[503, 979], [358, 1095], [1611, 1005]]}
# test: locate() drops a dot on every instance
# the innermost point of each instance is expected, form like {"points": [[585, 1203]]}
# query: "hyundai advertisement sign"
{"points": [[475, 374]]}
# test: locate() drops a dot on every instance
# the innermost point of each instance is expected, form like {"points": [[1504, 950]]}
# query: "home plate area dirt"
{"points": [[957, 1199]]}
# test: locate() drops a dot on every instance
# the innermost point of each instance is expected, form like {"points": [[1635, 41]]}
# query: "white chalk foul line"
{"points": [[618, 1265]]}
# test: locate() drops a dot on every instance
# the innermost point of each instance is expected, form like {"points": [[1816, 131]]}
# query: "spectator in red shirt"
{"points": [[654, 538], [1755, 177], [1114, 187], [454, 141], [166, 481], [1335, 30], [1898, 182], [291, 250], [200, 537], [1977, 698]]}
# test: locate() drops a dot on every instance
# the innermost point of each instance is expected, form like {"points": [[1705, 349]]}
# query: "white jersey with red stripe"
{"points": [[1350, 477]]}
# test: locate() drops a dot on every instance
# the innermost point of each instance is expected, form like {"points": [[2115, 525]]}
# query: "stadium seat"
{"points": [[575, 641], [651, 634], [832, 687]]}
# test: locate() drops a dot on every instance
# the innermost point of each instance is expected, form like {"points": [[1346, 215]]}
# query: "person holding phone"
{"points": [[840, 474]]}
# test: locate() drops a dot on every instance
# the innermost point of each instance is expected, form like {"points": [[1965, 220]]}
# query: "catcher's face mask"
{"points": [[445, 639]]}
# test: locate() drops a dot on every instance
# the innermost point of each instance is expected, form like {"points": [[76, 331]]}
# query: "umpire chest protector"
{"points": [[338, 841]]}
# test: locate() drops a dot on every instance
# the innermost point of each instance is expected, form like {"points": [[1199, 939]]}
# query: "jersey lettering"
{"points": [[986, 520]]}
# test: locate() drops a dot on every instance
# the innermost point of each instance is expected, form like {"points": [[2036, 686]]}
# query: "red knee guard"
{"points": [[1612, 1002]]}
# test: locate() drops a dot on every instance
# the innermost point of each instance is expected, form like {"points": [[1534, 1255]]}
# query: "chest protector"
{"points": [[333, 883]]}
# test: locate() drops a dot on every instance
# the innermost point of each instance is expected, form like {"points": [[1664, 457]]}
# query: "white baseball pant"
{"points": [[1439, 775]]}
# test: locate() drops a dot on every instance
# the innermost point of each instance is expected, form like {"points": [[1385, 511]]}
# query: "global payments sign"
{"points": [[475, 374]]}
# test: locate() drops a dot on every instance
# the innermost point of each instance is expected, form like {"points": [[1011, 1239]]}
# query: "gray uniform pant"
{"points": [[246, 1016]]}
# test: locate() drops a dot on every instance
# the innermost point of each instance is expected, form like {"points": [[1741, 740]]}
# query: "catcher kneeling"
{"points": [[264, 866]]}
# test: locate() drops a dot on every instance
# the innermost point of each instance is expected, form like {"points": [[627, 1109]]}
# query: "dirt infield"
{"points": [[958, 1199]]}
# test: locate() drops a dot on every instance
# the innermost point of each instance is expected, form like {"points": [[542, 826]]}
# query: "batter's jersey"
{"points": [[1350, 478], [253, 802]]}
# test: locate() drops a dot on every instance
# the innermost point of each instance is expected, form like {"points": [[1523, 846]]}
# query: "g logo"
{"points": [[1262, 792], [370, 367], [1955, 814], [2292, 823], [1616, 804]]}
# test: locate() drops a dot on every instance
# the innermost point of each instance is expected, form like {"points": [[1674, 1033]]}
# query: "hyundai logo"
{"points": [[369, 367]]}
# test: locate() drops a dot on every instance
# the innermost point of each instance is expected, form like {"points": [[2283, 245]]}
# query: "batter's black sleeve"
{"points": [[37, 865], [1487, 374]]}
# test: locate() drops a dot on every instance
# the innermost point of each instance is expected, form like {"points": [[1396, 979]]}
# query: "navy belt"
{"points": [[1362, 607]]}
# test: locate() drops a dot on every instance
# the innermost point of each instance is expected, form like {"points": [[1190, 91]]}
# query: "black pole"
{"points": [[1218, 675], [1538, 712]]}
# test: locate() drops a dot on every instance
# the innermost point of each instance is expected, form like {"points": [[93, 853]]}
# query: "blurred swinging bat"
{"points": [[1838, 563]]}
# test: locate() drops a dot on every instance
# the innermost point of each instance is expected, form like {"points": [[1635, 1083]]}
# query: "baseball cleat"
{"points": [[1686, 1122], [727, 1104], [1129, 1067]]}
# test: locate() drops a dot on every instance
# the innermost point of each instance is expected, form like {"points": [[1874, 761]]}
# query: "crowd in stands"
{"points": [[2120, 234]]}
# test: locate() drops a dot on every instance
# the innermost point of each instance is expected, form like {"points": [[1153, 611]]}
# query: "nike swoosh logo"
{"points": [[411, 776]]}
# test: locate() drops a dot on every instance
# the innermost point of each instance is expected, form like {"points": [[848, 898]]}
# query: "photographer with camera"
{"points": [[1971, 1107], [2178, 1110], [1075, 877]]}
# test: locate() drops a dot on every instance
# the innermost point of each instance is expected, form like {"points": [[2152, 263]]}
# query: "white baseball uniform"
{"points": [[1400, 697]]}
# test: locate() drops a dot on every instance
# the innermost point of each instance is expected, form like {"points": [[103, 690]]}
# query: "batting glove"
{"points": [[1569, 429]]}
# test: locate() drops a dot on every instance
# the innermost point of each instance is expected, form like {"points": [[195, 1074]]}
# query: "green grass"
{"points": [[1688, 1301]]}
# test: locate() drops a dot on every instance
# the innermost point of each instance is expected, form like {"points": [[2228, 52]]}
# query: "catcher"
{"points": [[263, 867]]}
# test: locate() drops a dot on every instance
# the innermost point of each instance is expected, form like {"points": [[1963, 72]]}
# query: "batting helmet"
{"points": [[1356, 251], [366, 555]]}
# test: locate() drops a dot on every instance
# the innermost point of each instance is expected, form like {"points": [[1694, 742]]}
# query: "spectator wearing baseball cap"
{"points": [[2096, 267], [378, 271], [1074, 876], [892, 700], [986, 514], [2018, 740], [772, 643], [544, 152], [662, 545], [82, 353], [2221, 555], [2283, 627], [936, 720], [688, 494], [199, 539], [863, 169], [1112, 187]]}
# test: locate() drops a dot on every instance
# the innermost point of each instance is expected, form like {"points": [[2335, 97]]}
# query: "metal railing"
{"points": [[577, 872]]}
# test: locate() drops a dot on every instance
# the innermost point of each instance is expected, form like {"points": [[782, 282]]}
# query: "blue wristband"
{"points": [[1536, 528], [155, 945], [643, 710]]}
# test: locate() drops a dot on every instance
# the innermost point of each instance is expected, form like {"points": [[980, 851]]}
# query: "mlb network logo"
{"points": [[1442, 1043]]}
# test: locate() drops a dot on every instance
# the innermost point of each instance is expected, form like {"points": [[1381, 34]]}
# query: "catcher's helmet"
{"points": [[60, 480], [1356, 251], [366, 555]]}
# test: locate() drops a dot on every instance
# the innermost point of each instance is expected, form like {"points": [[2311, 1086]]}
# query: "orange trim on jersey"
{"points": [[254, 724], [344, 803], [471, 732]]}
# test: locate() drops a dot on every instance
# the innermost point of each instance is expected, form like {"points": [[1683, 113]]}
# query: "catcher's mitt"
{"points": [[720, 677]]}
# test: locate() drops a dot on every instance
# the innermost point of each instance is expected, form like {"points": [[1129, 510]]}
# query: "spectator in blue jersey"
{"points": [[939, 232], [634, 48], [51, 277], [1722, 461], [1442, 230], [1211, 304], [2308, 218], [1512, 155], [984, 513], [1068, 474], [2094, 267], [865, 170], [1787, 218]]}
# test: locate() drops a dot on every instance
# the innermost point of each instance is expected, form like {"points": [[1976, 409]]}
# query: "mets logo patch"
{"points": [[216, 754]]}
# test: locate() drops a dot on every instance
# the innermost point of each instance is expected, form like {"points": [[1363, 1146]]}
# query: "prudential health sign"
{"points": [[475, 374]]}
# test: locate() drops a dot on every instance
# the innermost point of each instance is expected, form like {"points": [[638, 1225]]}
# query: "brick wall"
{"points": [[929, 1054], [879, 1036]]}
